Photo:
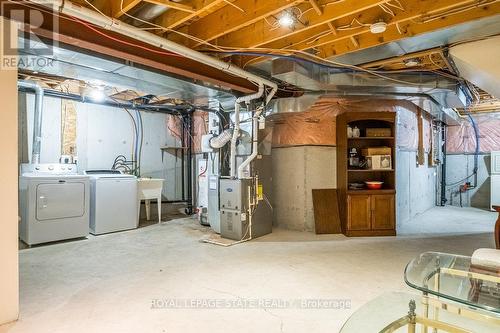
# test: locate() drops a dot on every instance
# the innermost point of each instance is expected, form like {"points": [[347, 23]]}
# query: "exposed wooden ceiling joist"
{"points": [[119, 9], [113, 8], [260, 33], [429, 59], [174, 5], [408, 29], [416, 11], [232, 18], [172, 20], [315, 5]]}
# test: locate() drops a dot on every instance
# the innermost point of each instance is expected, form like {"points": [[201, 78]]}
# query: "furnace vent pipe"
{"points": [[108, 23], [37, 123], [255, 143], [236, 132]]}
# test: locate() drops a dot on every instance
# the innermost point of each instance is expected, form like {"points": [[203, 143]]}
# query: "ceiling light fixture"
{"points": [[378, 27], [412, 62], [286, 20]]}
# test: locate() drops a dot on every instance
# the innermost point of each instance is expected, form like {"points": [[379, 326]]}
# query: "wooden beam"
{"points": [[332, 28], [176, 19], [259, 33], [409, 29], [400, 59], [413, 11], [230, 19], [174, 5], [117, 9], [316, 7]]}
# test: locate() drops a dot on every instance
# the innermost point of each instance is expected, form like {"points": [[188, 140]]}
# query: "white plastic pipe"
{"points": [[37, 115], [236, 132], [108, 23], [255, 143]]}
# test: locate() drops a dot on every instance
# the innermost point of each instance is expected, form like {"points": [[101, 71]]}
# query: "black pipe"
{"points": [[168, 109], [443, 165], [188, 120], [183, 170], [174, 110]]}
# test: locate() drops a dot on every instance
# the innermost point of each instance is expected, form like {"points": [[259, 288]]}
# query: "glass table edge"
{"points": [[489, 309]]}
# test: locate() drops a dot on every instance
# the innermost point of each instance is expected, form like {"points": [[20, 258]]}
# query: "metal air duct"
{"points": [[37, 124], [434, 93]]}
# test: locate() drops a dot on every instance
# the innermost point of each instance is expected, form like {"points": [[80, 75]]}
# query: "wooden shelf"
{"points": [[370, 170], [366, 191], [173, 148], [373, 138], [366, 212]]}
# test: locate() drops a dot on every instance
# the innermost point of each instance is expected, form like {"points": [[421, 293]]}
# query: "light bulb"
{"points": [[286, 20], [97, 95]]}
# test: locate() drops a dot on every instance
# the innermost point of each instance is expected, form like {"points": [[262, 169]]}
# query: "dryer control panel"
{"points": [[50, 169]]}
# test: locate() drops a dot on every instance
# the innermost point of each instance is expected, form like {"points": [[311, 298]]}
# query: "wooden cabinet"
{"points": [[359, 210], [382, 209], [370, 214], [366, 212]]}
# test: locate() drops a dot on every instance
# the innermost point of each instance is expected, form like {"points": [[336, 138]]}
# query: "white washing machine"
{"points": [[113, 201], [54, 203]]}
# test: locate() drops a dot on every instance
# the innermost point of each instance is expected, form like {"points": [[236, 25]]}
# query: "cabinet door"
{"points": [[382, 207], [358, 212]]}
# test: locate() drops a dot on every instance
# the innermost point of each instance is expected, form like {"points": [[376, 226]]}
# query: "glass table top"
{"points": [[377, 314], [453, 277]]}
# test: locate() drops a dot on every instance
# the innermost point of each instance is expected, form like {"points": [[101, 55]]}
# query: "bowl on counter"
{"points": [[374, 185]]}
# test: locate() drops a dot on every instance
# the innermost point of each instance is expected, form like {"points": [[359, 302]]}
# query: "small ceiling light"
{"points": [[412, 62], [97, 95], [378, 27], [286, 20]]}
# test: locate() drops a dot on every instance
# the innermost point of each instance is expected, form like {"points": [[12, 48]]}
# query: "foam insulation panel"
{"points": [[478, 63]]}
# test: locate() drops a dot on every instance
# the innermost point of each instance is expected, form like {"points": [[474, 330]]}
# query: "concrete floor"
{"points": [[109, 283]]}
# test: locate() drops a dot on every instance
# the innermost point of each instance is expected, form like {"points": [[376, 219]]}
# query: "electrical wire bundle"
{"points": [[122, 164], [132, 166]]}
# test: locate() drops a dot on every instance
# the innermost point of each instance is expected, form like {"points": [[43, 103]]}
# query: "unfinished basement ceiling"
{"points": [[326, 28], [119, 74], [413, 36]]}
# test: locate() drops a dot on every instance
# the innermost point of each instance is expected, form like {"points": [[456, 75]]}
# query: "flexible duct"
{"points": [[37, 123], [78, 11], [220, 141], [236, 132]]}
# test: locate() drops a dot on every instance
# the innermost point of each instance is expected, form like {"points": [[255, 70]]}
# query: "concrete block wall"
{"points": [[296, 171], [415, 187], [459, 166]]}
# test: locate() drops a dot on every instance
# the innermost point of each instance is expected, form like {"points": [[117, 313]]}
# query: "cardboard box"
{"points": [[378, 132], [370, 151], [379, 162]]}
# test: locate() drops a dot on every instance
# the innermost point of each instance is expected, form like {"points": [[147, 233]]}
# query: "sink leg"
{"points": [[159, 209], [148, 209]]}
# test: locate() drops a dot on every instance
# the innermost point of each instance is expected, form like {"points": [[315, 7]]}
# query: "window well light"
{"points": [[97, 95]]}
